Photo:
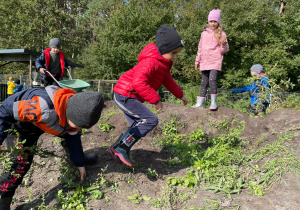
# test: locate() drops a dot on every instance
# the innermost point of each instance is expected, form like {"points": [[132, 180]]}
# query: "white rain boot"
{"points": [[200, 102], [213, 105]]}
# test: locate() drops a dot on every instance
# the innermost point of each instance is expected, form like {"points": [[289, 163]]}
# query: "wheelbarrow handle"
{"points": [[51, 76], [69, 73]]}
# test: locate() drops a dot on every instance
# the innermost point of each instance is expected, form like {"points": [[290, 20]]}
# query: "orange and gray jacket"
{"points": [[45, 108]]}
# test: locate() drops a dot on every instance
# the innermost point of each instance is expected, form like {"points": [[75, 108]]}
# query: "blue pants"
{"points": [[139, 117]]}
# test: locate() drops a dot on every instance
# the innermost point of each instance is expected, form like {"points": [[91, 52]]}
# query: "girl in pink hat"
{"points": [[212, 46]]}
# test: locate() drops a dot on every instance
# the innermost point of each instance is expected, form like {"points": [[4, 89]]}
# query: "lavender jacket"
{"points": [[210, 52]]}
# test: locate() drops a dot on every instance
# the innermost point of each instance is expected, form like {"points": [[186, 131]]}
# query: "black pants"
{"points": [[48, 80], [13, 175], [256, 109], [209, 77]]}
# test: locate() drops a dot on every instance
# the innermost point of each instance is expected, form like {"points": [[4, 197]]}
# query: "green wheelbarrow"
{"points": [[76, 84]]}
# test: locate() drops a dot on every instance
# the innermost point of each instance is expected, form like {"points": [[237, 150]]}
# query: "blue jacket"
{"points": [[254, 88], [36, 106], [18, 88]]}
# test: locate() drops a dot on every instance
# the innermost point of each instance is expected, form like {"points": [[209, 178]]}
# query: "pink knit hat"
{"points": [[215, 15]]}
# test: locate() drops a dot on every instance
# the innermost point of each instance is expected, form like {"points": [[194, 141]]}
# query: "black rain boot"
{"points": [[5, 203], [120, 150]]}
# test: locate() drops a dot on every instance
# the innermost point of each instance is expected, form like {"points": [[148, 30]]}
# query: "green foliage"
{"points": [[121, 31], [74, 200], [31, 25], [169, 198], [107, 36], [151, 173], [225, 166], [105, 127], [197, 136], [136, 198], [108, 114], [170, 128], [292, 101]]}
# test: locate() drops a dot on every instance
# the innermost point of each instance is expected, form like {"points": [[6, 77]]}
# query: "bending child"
{"points": [[141, 84], [212, 46], [53, 110], [256, 88]]}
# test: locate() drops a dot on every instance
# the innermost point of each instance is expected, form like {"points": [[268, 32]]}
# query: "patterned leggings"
{"points": [[208, 77], [13, 175]]}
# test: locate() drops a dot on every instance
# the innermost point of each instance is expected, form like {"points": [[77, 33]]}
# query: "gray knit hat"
{"points": [[84, 108], [257, 68], [55, 42]]}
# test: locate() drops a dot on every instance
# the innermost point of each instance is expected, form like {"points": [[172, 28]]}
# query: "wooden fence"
{"points": [[105, 87]]}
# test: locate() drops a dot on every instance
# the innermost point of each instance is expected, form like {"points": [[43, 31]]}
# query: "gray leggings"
{"points": [[208, 77]]}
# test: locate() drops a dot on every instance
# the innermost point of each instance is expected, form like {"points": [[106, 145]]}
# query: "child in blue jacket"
{"points": [[19, 86], [261, 84]]}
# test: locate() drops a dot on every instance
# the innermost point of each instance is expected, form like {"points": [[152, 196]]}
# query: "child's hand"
{"points": [[197, 66], [42, 70], [184, 99], [158, 106], [82, 173], [223, 41]]}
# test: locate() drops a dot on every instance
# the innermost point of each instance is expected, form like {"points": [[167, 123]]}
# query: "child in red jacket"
{"points": [[141, 84]]}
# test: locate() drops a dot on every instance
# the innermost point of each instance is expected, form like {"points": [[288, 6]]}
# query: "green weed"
{"points": [[109, 114], [137, 197], [105, 127]]}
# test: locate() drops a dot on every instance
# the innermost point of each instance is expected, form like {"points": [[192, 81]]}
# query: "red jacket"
{"points": [[44, 61], [144, 79]]}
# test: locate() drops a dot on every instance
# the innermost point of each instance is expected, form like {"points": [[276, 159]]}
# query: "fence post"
{"points": [[112, 91], [99, 85]]}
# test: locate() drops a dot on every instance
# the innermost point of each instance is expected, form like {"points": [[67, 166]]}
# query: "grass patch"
{"points": [[229, 165]]}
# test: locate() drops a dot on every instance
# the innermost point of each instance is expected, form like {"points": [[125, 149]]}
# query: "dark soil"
{"points": [[43, 180]]}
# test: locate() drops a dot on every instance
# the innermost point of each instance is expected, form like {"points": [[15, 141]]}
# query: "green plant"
{"points": [[170, 128], [109, 114], [83, 131], [292, 101], [105, 127], [74, 200], [57, 140], [136, 198], [197, 136], [151, 173], [169, 198], [29, 190], [115, 187]]}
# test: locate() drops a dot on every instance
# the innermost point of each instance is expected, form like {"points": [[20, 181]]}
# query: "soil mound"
{"points": [[42, 179]]}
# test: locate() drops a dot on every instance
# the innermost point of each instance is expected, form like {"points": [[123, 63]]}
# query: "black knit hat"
{"points": [[167, 39], [55, 42], [84, 108]]}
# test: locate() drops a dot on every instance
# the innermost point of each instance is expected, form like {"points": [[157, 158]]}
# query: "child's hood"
{"points": [[151, 51]]}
